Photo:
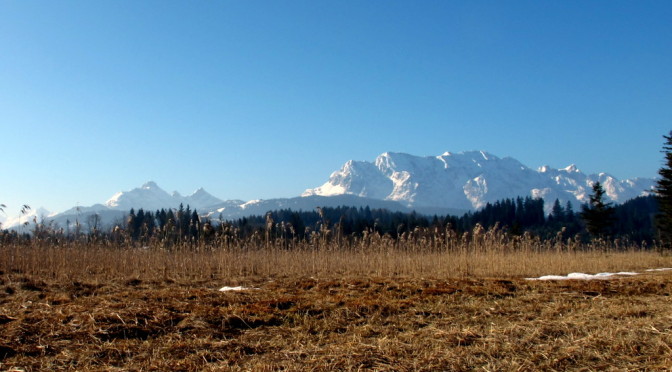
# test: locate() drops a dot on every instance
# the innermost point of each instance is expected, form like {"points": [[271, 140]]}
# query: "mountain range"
{"points": [[469, 180], [451, 183]]}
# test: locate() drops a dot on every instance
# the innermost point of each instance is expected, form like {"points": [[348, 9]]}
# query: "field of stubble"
{"points": [[89, 319]]}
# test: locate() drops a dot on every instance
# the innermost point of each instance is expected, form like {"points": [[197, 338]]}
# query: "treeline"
{"points": [[632, 220]]}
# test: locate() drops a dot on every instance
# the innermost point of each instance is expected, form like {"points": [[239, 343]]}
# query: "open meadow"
{"points": [[324, 305]]}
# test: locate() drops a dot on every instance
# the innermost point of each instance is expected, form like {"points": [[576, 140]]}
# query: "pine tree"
{"points": [[131, 222], [598, 215], [569, 212], [664, 195], [557, 213]]}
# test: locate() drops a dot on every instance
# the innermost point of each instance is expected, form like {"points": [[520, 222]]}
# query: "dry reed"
{"points": [[422, 302], [427, 254]]}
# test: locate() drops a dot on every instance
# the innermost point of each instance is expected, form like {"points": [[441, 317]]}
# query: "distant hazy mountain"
{"points": [[148, 196], [469, 180], [229, 210], [151, 197], [37, 214]]}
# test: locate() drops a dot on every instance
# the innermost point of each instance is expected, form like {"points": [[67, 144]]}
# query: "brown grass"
{"points": [[338, 324], [384, 259], [384, 307]]}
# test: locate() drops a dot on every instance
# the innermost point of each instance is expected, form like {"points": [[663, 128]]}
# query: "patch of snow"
{"points": [[114, 200], [661, 269], [582, 276], [150, 185], [443, 161], [327, 189], [251, 202], [475, 191], [571, 169], [235, 289], [540, 193]]}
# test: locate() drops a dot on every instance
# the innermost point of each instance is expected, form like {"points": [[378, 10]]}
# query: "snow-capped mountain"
{"points": [[451, 183], [469, 180], [31, 215], [148, 196], [151, 197]]}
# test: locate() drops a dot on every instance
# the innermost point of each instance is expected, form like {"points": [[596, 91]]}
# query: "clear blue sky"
{"points": [[263, 99]]}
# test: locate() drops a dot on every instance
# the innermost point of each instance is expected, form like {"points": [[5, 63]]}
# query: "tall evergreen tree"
{"points": [[131, 222], [569, 212], [664, 195], [598, 215], [557, 213]]}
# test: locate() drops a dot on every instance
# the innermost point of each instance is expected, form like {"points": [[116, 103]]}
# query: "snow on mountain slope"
{"points": [[32, 215], [450, 183], [148, 196], [357, 178], [113, 213], [469, 180], [200, 199], [151, 197]]}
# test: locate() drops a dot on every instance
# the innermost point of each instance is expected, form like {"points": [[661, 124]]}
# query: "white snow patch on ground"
{"points": [[582, 276], [239, 288], [663, 269]]}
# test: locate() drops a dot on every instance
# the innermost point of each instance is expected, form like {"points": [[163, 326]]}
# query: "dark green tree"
{"points": [[569, 212], [664, 195], [598, 215], [557, 213]]}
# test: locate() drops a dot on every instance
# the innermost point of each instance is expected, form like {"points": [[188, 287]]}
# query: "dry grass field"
{"points": [[84, 307]]}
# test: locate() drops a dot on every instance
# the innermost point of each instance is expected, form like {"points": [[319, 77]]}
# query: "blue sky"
{"points": [[263, 99]]}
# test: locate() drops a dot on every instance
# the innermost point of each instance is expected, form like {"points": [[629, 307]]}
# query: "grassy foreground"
{"points": [[105, 310]]}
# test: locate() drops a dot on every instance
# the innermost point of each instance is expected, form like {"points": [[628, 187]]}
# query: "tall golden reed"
{"points": [[423, 253]]}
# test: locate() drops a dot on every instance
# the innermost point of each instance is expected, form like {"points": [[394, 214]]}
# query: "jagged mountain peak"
{"points": [[395, 180], [471, 154], [468, 180], [572, 168], [150, 196]]}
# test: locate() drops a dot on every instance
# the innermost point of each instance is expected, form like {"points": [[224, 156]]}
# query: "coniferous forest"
{"points": [[632, 221]]}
